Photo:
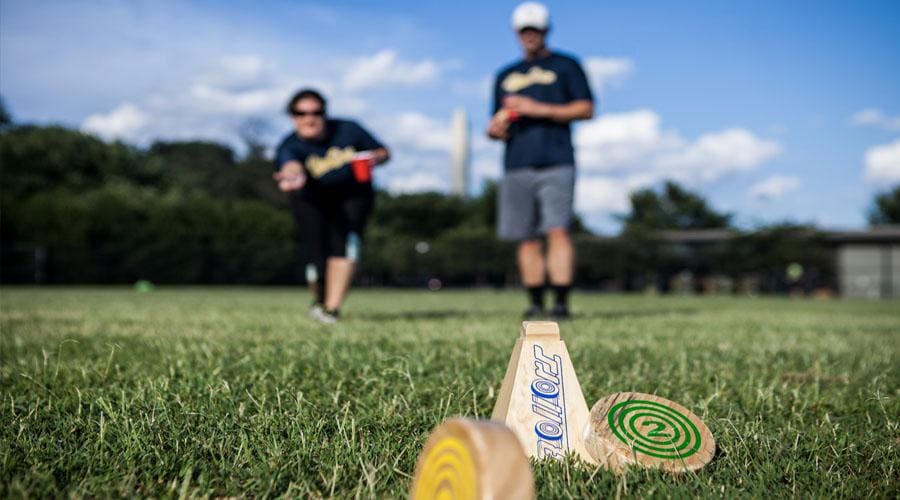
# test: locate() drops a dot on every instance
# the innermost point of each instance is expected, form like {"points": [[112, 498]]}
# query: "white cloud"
{"points": [[385, 68], [634, 141], [599, 198], [250, 101], [482, 89], [716, 154], [216, 101], [417, 182], [418, 131], [874, 117], [603, 194], [774, 187], [621, 140], [604, 71], [238, 72], [121, 123], [618, 153], [883, 163]]}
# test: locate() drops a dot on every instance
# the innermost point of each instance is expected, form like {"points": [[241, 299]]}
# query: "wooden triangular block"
{"points": [[540, 398]]}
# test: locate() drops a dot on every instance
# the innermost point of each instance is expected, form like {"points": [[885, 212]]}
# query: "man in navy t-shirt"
{"points": [[325, 166], [535, 100]]}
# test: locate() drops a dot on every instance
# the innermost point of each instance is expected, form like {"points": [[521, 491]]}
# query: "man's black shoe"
{"points": [[533, 312], [560, 311]]}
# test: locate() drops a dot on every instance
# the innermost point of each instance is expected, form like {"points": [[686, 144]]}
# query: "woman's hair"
{"points": [[306, 94]]}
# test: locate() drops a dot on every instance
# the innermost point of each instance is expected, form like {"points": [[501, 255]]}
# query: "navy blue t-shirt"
{"points": [[555, 79], [328, 162]]}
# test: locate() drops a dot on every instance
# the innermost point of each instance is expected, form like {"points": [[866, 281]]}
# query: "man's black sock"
{"points": [[536, 293], [562, 294]]}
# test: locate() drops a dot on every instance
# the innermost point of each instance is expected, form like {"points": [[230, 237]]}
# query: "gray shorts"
{"points": [[535, 200]]}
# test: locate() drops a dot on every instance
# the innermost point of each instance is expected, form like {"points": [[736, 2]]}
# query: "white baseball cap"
{"points": [[531, 15]]}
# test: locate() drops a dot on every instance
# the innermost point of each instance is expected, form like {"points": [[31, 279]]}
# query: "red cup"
{"points": [[511, 114], [362, 167]]}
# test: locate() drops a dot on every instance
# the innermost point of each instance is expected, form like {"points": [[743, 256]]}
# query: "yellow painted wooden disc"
{"points": [[448, 472], [470, 459]]}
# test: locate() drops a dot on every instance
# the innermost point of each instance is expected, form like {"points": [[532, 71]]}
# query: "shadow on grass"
{"points": [[421, 315], [451, 314], [643, 313]]}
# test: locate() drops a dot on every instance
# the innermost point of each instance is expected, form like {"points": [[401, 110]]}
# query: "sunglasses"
{"points": [[319, 112]]}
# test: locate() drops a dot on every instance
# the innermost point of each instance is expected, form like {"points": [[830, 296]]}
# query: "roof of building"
{"points": [[877, 234]]}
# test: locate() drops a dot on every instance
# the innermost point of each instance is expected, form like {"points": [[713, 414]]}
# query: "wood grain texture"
{"points": [[540, 398], [636, 429], [472, 459]]}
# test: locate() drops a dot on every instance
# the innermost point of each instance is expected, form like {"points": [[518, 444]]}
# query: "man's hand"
{"points": [[525, 106], [291, 176], [562, 113], [498, 128]]}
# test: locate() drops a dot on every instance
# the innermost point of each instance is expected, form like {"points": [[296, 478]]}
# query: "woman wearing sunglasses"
{"points": [[325, 167]]}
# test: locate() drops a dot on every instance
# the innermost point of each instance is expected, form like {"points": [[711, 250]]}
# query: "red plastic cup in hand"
{"points": [[362, 166], [511, 114]]}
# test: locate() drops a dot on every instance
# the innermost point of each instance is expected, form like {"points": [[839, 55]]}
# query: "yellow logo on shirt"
{"points": [[334, 158], [515, 82]]}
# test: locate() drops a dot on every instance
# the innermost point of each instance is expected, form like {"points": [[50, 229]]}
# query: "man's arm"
{"points": [[581, 109]]}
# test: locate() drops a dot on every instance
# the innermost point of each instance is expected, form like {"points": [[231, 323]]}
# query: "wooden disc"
{"points": [[472, 459], [631, 428]]}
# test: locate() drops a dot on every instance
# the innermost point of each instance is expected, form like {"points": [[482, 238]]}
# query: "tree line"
{"points": [[75, 209]]}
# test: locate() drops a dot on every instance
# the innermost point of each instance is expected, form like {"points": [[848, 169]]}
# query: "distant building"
{"points": [[868, 262], [459, 128]]}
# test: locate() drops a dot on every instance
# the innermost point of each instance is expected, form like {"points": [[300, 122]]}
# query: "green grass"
{"points": [[215, 392]]}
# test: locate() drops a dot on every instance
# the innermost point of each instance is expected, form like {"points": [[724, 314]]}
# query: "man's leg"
{"points": [[531, 263], [532, 267], [560, 264], [516, 217], [556, 192], [560, 256]]}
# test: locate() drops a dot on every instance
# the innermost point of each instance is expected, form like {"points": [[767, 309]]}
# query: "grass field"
{"points": [[222, 392]]}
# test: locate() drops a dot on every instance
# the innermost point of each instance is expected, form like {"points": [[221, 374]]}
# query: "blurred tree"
{"points": [[886, 208], [674, 208], [420, 215], [256, 245], [76, 209], [253, 132], [250, 179], [193, 164], [211, 167], [40, 158], [766, 253], [645, 261], [482, 210], [5, 116]]}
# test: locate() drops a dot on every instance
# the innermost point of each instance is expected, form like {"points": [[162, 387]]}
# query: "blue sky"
{"points": [[772, 110]]}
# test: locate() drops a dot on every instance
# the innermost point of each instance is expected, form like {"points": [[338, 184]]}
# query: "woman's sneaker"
{"points": [[318, 313]]}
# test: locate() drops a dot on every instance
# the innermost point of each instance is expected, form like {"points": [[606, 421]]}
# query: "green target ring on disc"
{"points": [[635, 429]]}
